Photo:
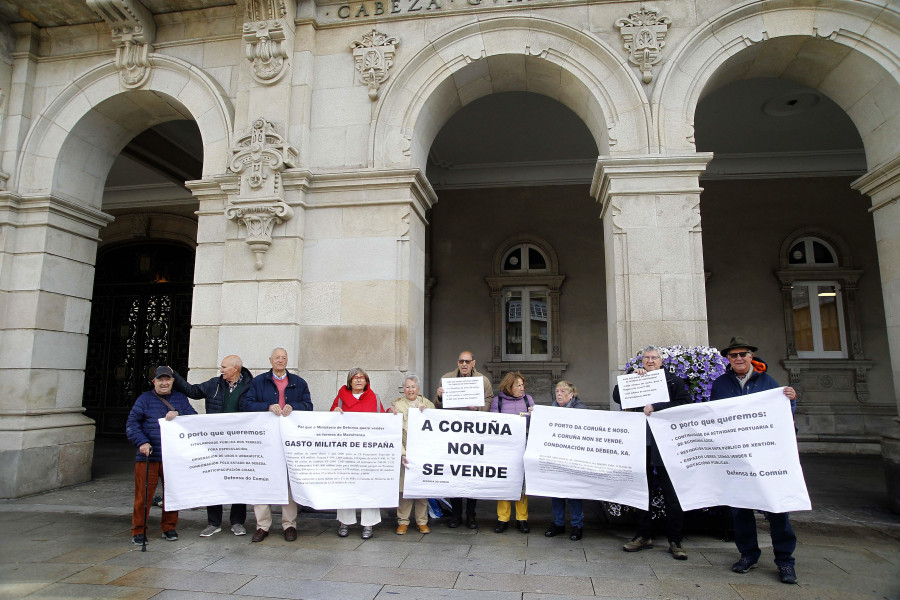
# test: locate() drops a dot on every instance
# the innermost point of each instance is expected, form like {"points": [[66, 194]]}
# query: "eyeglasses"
{"points": [[463, 361], [736, 354], [359, 377], [654, 358]]}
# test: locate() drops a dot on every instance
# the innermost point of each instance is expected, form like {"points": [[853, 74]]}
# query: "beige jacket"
{"points": [[402, 406]]}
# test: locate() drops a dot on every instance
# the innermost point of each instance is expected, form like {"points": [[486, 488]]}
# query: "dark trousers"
{"points": [[783, 539], [674, 514], [456, 505], [237, 515]]}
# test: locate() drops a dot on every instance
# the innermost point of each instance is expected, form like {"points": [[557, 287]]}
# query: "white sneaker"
{"points": [[210, 530], [238, 529]]}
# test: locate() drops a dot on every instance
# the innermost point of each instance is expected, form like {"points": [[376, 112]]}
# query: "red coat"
{"points": [[368, 402]]}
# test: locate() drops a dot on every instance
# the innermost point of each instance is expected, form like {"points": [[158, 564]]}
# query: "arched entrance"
{"points": [[788, 244], [59, 181], [140, 318], [841, 50], [515, 255]]}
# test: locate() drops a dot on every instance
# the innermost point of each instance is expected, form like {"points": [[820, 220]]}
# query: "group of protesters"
{"points": [[281, 392]]}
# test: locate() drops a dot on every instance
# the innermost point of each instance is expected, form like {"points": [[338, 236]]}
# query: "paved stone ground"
{"points": [[76, 543]]}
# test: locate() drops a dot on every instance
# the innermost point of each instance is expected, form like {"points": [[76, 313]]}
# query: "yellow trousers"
{"points": [[503, 509]]}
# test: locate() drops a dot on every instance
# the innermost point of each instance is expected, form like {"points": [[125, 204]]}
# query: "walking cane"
{"points": [[146, 500]]}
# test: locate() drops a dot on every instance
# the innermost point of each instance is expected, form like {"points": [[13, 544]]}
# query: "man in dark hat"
{"points": [[747, 375], [142, 429]]}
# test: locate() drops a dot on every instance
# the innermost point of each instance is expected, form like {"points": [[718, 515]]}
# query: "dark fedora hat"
{"points": [[737, 342]]}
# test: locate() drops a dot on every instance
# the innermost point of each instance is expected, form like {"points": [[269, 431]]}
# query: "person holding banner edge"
{"points": [[651, 360], [512, 399], [223, 394], [142, 430], [357, 396], [279, 392], [744, 375], [566, 396], [465, 368], [411, 400]]}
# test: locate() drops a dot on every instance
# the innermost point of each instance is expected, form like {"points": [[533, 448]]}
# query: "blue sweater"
{"points": [[142, 426], [728, 386]]}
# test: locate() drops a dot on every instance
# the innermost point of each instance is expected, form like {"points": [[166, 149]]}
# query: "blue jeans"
{"points": [[576, 511], [783, 539]]}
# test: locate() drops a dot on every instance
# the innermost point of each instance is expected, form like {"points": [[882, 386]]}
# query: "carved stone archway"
{"points": [[535, 55]]}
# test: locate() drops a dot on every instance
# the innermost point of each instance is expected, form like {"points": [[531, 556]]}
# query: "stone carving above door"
{"points": [[133, 33], [374, 57], [259, 157], [268, 33], [643, 34]]}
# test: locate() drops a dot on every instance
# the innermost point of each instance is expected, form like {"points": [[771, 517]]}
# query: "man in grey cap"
{"points": [[747, 375], [223, 394]]}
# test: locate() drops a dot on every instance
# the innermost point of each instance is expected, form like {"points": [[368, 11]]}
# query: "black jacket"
{"points": [[678, 394], [213, 390]]}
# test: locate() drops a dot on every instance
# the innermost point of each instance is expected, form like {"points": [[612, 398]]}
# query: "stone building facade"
{"points": [[385, 183]]}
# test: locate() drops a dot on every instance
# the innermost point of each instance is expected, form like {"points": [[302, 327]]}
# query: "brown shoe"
{"points": [[260, 535], [424, 529], [401, 529], [290, 534]]}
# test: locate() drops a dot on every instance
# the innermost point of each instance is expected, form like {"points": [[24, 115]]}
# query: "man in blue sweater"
{"points": [[142, 429], [280, 393], [747, 375]]}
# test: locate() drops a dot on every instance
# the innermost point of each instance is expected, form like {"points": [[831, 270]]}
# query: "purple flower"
{"points": [[699, 366]]}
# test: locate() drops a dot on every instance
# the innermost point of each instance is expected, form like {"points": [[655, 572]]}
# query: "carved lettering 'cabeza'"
{"points": [[359, 10]]}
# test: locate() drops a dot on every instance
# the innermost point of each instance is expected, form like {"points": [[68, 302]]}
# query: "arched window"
{"points": [[817, 306], [821, 323], [524, 258], [811, 251], [525, 288], [526, 324]]}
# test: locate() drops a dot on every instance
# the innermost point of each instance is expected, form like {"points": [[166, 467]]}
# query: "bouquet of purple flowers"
{"points": [[699, 366]]}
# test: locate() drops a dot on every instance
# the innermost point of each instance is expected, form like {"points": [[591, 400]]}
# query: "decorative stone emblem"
{"points": [[643, 34], [133, 32], [374, 56], [260, 157], [265, 34]]}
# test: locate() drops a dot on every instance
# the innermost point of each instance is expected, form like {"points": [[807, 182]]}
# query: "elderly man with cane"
{"points": [[142, 429]]}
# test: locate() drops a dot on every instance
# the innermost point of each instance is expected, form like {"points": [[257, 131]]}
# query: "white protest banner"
{"points": [[589, 455], [462, 392], [637, 391], [739, 452], [466, 454], [343, 460], [223, 458]]}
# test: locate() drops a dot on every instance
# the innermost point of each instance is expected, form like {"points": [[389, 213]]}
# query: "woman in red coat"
{"points": [[357, 396]]}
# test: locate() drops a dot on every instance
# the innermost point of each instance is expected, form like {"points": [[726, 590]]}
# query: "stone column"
{"points": [[47, 250], [882, 185], [250, 227], [655, 289], [363, 285]]}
